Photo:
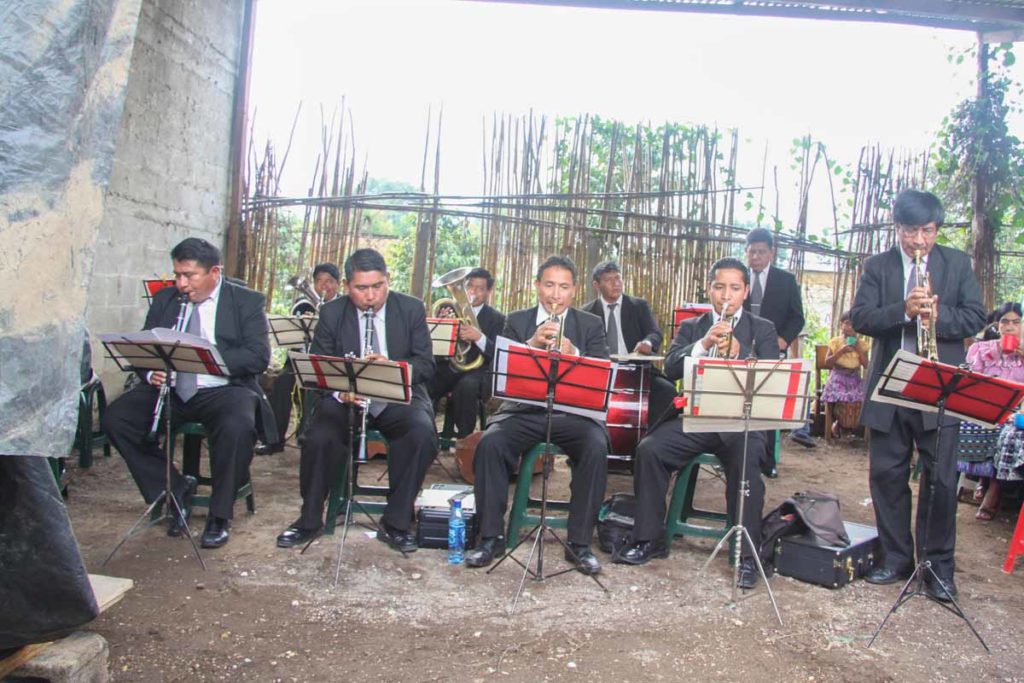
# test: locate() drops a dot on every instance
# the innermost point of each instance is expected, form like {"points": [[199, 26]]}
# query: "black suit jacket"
{"points": [[781, 304], [584, 330], [752, 332], [638, 323], [878, 311], [241, 335], [405, 326]]}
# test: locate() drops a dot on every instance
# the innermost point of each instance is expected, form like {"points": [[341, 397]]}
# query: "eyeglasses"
{"points": [[923, 230]]}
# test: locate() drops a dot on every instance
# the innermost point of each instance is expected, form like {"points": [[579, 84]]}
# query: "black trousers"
{"points": [[412, 445], [659, 401], [890, 456], [229, 415], [468, 390], [509, 436], [667, 449]]}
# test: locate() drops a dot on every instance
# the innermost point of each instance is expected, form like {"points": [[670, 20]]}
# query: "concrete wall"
{"points": [[171, 175]]}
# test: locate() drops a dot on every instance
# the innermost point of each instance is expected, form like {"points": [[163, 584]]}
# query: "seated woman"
{"points": [[844, 389], [1003, 358]]}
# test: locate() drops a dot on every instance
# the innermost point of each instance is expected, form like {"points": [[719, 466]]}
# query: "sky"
{"points": [[847, 84]]}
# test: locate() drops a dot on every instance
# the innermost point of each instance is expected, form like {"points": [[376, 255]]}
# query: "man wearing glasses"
{"points": [[889, 303]]}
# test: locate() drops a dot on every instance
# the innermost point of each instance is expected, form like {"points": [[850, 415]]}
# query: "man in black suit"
{"points": [[775, 296], [231, 408], [326, 282], [888, 306], [667, 449], [630, 327], [469, 388], [516, 427], [374, 323]]}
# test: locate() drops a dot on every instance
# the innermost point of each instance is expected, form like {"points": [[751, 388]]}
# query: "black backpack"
{"points": [[615, 522]]}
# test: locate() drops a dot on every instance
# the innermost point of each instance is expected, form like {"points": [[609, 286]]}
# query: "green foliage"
{"points": [[817, 331], [457, 244], [975, 140], [388, 223]]}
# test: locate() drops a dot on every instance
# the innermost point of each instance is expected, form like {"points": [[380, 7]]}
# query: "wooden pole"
{"points": [[982, 233], [234, 256]]}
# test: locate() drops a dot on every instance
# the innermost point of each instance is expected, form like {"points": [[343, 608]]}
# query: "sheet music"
{"points": [[912, 382], [503, 346], [444, 333], [188, 352], [381, 380], [292, 330], [714, 394]]}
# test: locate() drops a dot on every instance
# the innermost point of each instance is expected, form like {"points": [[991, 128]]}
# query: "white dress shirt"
{"points": [[481, 343], [208, 331]]}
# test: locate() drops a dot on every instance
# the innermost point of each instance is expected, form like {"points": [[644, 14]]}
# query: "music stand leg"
{"points": [[738, 530], [164, 405], [924, 565], [538, 532]]}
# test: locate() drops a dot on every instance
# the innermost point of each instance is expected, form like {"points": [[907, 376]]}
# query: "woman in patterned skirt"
{"points": [[844, 389], [1003, 358]]}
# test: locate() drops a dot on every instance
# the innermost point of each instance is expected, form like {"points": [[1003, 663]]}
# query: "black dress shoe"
{"points": [[295, 535], [748, 574], [583, 558], [174, 527], [882, 576], [804, 439], [216, 532], [264, 449], [485, 552], [642, 552], [943, 590], [404, 541]]}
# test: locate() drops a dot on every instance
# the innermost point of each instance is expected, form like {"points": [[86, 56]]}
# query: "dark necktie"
{"points": [[756, 295], [374, 407], [613, 330], [909, 334], [186, 384]]}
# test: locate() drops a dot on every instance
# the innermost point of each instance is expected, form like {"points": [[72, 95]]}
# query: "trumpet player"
{"points": [[516, 427], [468, 388], [916, 288], [728, 331], [370, 322]]}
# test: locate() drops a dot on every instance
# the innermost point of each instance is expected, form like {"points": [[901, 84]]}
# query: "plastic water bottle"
{"points": [[456, 534]]}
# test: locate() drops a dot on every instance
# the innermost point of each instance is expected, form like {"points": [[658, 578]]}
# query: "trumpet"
{"points": [[731, 319], [926, 346], [455, 282]]}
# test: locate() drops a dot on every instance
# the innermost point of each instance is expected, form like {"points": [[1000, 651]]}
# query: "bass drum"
{"points": [[627, 413]]}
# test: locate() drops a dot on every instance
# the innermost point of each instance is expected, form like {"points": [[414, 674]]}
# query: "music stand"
{"points": [[573, 384], [151, 286], [168, 351], [933, 387], [293, 331], [356, 381], [444, 335], [773, 395]]}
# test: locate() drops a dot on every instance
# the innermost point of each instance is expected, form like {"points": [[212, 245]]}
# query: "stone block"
{"points": [[79, 658]]}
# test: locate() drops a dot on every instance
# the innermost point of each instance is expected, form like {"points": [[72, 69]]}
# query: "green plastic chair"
{"points": [[337, 500], [681, 510], [523, 502]]}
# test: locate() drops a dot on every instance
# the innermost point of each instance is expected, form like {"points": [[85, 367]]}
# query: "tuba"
{"points": [[302, 285], [458, 303], [925, 334]]}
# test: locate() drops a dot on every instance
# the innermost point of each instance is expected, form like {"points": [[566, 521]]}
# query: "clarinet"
{"points": [[367, 350], [158, 409]]}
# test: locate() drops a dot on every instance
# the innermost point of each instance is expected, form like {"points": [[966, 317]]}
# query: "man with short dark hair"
{"points": [[888, 306], [667, 449], [396, 327], [630, 327], [470, 387], [516, 426], [231, 408], [775, 296]]}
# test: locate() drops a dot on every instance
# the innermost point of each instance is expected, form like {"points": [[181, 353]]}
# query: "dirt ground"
{"points": [[261, 613]]}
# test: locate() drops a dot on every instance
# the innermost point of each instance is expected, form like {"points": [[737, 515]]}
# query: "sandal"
{"points": [[985, 514], [979, 493]]}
